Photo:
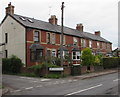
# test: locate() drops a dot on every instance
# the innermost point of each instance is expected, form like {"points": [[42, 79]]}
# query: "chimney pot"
{"points": [[97, 33], [79, 27], [10, 9], [53, 20]]}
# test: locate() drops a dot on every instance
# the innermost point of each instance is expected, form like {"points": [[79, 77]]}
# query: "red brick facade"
{"points": [[68, 41]]}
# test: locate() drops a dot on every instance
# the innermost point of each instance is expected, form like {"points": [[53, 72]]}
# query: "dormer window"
{"points": [[22, 18], [30, 20]]}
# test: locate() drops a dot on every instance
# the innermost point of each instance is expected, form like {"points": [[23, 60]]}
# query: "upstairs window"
{"points": [[6, 37], [103, 45], [53, 38], [63, 39], [98, 45], [75, 41], [90, 43], [108, 47], [36, 36], [84, 43], [81, 42], [48, 38]]}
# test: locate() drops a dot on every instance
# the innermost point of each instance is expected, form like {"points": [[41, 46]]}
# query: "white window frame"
{"points": [[53, 38], [76, 55], [75, 41], [34, 36], [98, 45], [53, 51], [81, 42], [47, 38], [90, 43], [84, 42]]}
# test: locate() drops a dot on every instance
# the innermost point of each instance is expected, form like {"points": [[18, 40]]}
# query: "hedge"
{"points": [[111, 62], [11, 65]]}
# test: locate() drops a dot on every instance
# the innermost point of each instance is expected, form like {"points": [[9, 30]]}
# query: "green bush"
{"points": [[87, 57], [36, 69], [11, 65], [6, 65], [111, 62], [98, 60]]}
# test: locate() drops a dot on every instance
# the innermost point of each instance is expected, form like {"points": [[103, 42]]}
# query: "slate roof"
{"points": [[42, 25]]}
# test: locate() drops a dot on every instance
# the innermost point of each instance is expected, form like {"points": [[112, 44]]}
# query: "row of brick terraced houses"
{"points": [[30, 39]]}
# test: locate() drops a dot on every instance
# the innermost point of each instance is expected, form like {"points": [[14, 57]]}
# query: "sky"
{"points": [[95, 15]]}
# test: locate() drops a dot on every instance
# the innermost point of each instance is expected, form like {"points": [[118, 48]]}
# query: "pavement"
{"points": [[81, 77], [95, 74]]}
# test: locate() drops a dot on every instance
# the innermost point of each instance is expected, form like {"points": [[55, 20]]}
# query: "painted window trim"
{"points": [[76, 55], [39, 36], [74, 41]]}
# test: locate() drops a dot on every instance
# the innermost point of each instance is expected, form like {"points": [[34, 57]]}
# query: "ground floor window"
{"points": [[65, 53], [51, 52], [36, 55], [76, 55]]}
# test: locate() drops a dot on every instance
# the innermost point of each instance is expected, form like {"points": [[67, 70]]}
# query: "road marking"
{"points": [[17, 90], [39, 86], [116, 80], [45, 79], [84, 90], [28, 88], [74, 80]]}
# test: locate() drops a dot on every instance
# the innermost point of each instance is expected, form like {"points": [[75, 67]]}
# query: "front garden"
{"points": [[51, 67]]}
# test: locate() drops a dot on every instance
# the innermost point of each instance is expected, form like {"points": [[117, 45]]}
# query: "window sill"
{"points": [[76, 59]]}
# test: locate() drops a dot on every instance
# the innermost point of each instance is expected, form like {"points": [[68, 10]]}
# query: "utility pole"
{"points": [[61, 47]]}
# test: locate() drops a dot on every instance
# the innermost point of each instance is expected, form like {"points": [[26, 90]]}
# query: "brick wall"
{"points": [[68, 41]]}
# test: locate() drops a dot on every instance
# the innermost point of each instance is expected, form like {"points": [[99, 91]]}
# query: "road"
{"points": [[102, 85]]}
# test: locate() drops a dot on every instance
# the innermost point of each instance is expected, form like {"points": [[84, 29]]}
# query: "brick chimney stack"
{"points": [[97, 33], [10, 9], [53, 20], [79, 27]]}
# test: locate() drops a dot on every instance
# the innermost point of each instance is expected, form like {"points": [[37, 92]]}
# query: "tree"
{"points": [[87, 57]]}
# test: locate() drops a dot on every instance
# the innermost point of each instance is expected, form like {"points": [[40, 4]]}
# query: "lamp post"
{"points": [[61, 47]]}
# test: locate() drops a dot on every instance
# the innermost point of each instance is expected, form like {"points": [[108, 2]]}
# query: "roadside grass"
{"points": [[56, 76], [1, 86]]}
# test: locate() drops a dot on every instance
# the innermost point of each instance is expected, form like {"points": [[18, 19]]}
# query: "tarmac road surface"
{"points": [[101, 85]]}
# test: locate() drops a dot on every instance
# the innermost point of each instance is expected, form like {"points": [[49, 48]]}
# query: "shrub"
{"points": [[36, 68], [11, 65], [87, 57], [5, 65], [16, 64], [111, 62], [98, 60]]}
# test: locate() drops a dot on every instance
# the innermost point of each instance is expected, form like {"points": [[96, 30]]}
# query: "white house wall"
{"points": [[16, 38]]}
